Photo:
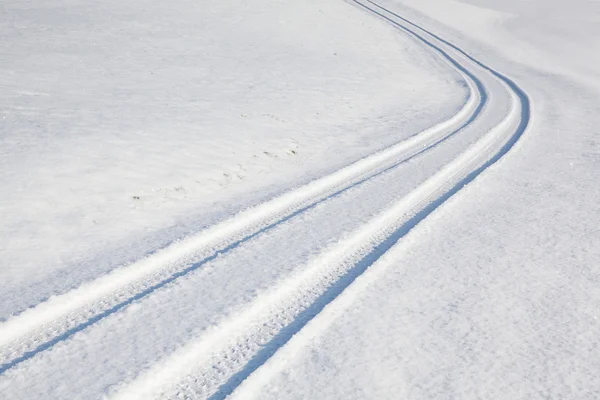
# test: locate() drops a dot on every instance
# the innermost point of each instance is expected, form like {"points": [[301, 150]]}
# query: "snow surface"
{"points": [[496, 294], [127, 125], [425, 202]]}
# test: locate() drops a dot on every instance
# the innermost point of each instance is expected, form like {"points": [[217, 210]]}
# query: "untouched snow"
{"points": [[457, 258]]}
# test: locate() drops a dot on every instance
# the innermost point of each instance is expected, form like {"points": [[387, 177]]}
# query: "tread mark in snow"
{"points": [[329, 275], [244, 341], [65, 315]]}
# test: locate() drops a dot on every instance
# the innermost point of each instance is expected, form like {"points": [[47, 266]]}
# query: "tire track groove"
{"points": [[217, 362], [38, 329]]}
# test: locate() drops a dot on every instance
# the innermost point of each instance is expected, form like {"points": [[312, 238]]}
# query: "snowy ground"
{"points": [[366, 268], [127, 125]]}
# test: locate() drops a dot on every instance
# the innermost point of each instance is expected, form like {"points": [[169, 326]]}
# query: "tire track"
{"points": [[216, 363], [40, 328]]}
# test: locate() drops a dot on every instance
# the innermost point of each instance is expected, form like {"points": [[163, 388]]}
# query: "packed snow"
{"points": [[268, 199]]}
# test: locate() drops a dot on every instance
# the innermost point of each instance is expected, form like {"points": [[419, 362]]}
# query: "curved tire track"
{"points": [[40, 328], [215, 364]]}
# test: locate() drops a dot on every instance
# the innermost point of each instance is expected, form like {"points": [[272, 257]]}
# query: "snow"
{"points": [[374, 258], [496, 294], [126, 126], [553, 37]]}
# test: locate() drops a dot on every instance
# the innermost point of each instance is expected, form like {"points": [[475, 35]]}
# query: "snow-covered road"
{"points": [[199, 317]]}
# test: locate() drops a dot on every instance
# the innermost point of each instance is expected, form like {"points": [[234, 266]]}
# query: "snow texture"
{"points": [[342, 199]]}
